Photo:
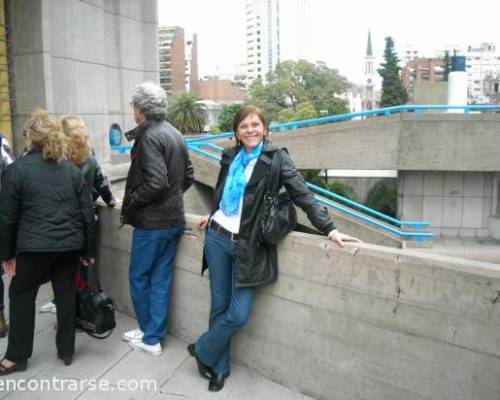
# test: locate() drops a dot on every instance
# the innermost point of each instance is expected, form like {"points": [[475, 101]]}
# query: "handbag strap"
{"points": [[92, 278], [274, 174]]}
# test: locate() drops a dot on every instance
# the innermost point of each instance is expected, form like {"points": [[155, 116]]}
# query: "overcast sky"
{"points": [[338, 29]]}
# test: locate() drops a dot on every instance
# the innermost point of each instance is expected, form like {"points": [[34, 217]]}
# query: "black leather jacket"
{"points": [[257, 262], [159, 174]]}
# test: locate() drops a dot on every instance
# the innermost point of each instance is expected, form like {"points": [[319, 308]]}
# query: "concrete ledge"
{"points": [[362, 322]]}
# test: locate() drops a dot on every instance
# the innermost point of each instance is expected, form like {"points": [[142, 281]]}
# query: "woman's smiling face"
{"points": [[251, 131]]}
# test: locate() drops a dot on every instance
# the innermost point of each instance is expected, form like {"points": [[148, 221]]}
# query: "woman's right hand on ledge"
{"points": [[340, 238], [202, 223]]}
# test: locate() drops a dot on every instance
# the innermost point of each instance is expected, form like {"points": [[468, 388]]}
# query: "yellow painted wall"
{"points": [[5, 114]]}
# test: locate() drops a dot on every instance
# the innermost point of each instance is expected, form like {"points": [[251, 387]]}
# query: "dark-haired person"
{"points": [[47, 224], [236, 260]]}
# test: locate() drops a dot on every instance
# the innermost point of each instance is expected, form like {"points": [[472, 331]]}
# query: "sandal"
{"points": [[18, 366]]}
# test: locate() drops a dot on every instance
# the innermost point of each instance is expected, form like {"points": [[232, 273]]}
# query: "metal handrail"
{"points": [[419, 236], [335, 118], [368, 210]]}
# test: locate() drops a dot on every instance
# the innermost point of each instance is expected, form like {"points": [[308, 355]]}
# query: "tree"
{"points": [[227, 115], [447, 65], [393, 91], [382, 197], [297, 82], [186, 113], [305, 110]]}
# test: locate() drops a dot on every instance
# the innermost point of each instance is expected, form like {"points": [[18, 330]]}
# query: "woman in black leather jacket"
{"points": [[237, 260]]}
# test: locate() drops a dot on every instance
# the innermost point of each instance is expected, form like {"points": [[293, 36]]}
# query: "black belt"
{"points": [[223, 231]]}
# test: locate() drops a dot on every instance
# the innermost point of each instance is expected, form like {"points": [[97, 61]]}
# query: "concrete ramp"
{"points": [[406, 141]]}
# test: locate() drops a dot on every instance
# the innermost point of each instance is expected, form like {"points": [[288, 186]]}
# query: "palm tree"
{"points": [[186, 113]]}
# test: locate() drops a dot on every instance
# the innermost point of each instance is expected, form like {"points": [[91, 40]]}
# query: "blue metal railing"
{"points": [[368, 210], [336, 118]]}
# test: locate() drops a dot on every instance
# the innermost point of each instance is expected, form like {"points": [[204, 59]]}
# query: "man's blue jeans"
{"points": [[151, 271], [230, 307]]}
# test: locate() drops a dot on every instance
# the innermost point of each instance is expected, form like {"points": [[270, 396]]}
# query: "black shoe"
{"points": [[217, 382], [18, 366], [205, 371], [67, 360]]}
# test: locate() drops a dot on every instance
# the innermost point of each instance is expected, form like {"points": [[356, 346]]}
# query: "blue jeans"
{"points": [[230, 307], [151, 271]]}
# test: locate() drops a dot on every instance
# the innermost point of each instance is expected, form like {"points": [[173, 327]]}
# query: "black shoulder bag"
{"points": [[95, 313], [279, 216]]}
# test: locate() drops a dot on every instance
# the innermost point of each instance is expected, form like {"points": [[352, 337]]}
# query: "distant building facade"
{"points": [[420, 70], [192, 64], [262, 34], [219, 90], [482, 64], [171, 59]]}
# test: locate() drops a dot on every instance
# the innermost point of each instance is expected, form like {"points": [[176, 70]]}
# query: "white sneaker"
{"points": [[135, 334], [48, 308], [138, 344]]}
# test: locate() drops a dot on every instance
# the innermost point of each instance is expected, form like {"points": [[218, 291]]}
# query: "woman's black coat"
{"points": [[257, 262]]}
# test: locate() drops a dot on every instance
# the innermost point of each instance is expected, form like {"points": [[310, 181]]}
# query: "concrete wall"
{"points": [[359, 323], [82, 57], [457, 203], [409, 141], [427, 92]]}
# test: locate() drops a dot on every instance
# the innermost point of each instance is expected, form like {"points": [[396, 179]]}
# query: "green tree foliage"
{"points": [[293, 83], [227, 115], [342, 189], [287, 115], [186, 114], [313, 176], [382, 197], [393, 91], [305, 110]]}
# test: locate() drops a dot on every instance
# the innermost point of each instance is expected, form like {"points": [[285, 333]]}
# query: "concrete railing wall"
{"points": [[408, 141], [363, 322]]}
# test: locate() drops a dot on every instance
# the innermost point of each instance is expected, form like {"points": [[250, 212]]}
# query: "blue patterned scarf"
{"points": [[236, 180]]}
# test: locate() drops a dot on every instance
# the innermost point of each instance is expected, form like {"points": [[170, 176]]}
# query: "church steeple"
{"points": [[368, 95], [369, 45]]}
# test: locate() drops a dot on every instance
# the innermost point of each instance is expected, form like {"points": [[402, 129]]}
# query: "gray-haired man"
{"points": [[153, 204]]}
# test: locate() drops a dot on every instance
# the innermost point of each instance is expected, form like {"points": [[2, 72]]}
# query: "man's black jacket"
{"points": [[159, 174]]}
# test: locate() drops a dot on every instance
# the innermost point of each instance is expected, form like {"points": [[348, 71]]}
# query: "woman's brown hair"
{"points": [[79, 146], [245, 112], [44, 131]]}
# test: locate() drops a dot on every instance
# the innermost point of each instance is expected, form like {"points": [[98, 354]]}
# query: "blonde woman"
{"points": [[79, 152], [47, 225]]}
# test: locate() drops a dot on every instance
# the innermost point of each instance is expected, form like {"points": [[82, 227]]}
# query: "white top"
{"points": [[4, 153], [232, 222]]}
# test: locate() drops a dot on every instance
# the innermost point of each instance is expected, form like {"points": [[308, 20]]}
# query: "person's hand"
{"points": [[10, 267], [202, 223], [340, 238], [87, 261]]}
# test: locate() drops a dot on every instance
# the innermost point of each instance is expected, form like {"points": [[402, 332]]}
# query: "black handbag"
{"points": [[95, 313], [279, 216]]}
